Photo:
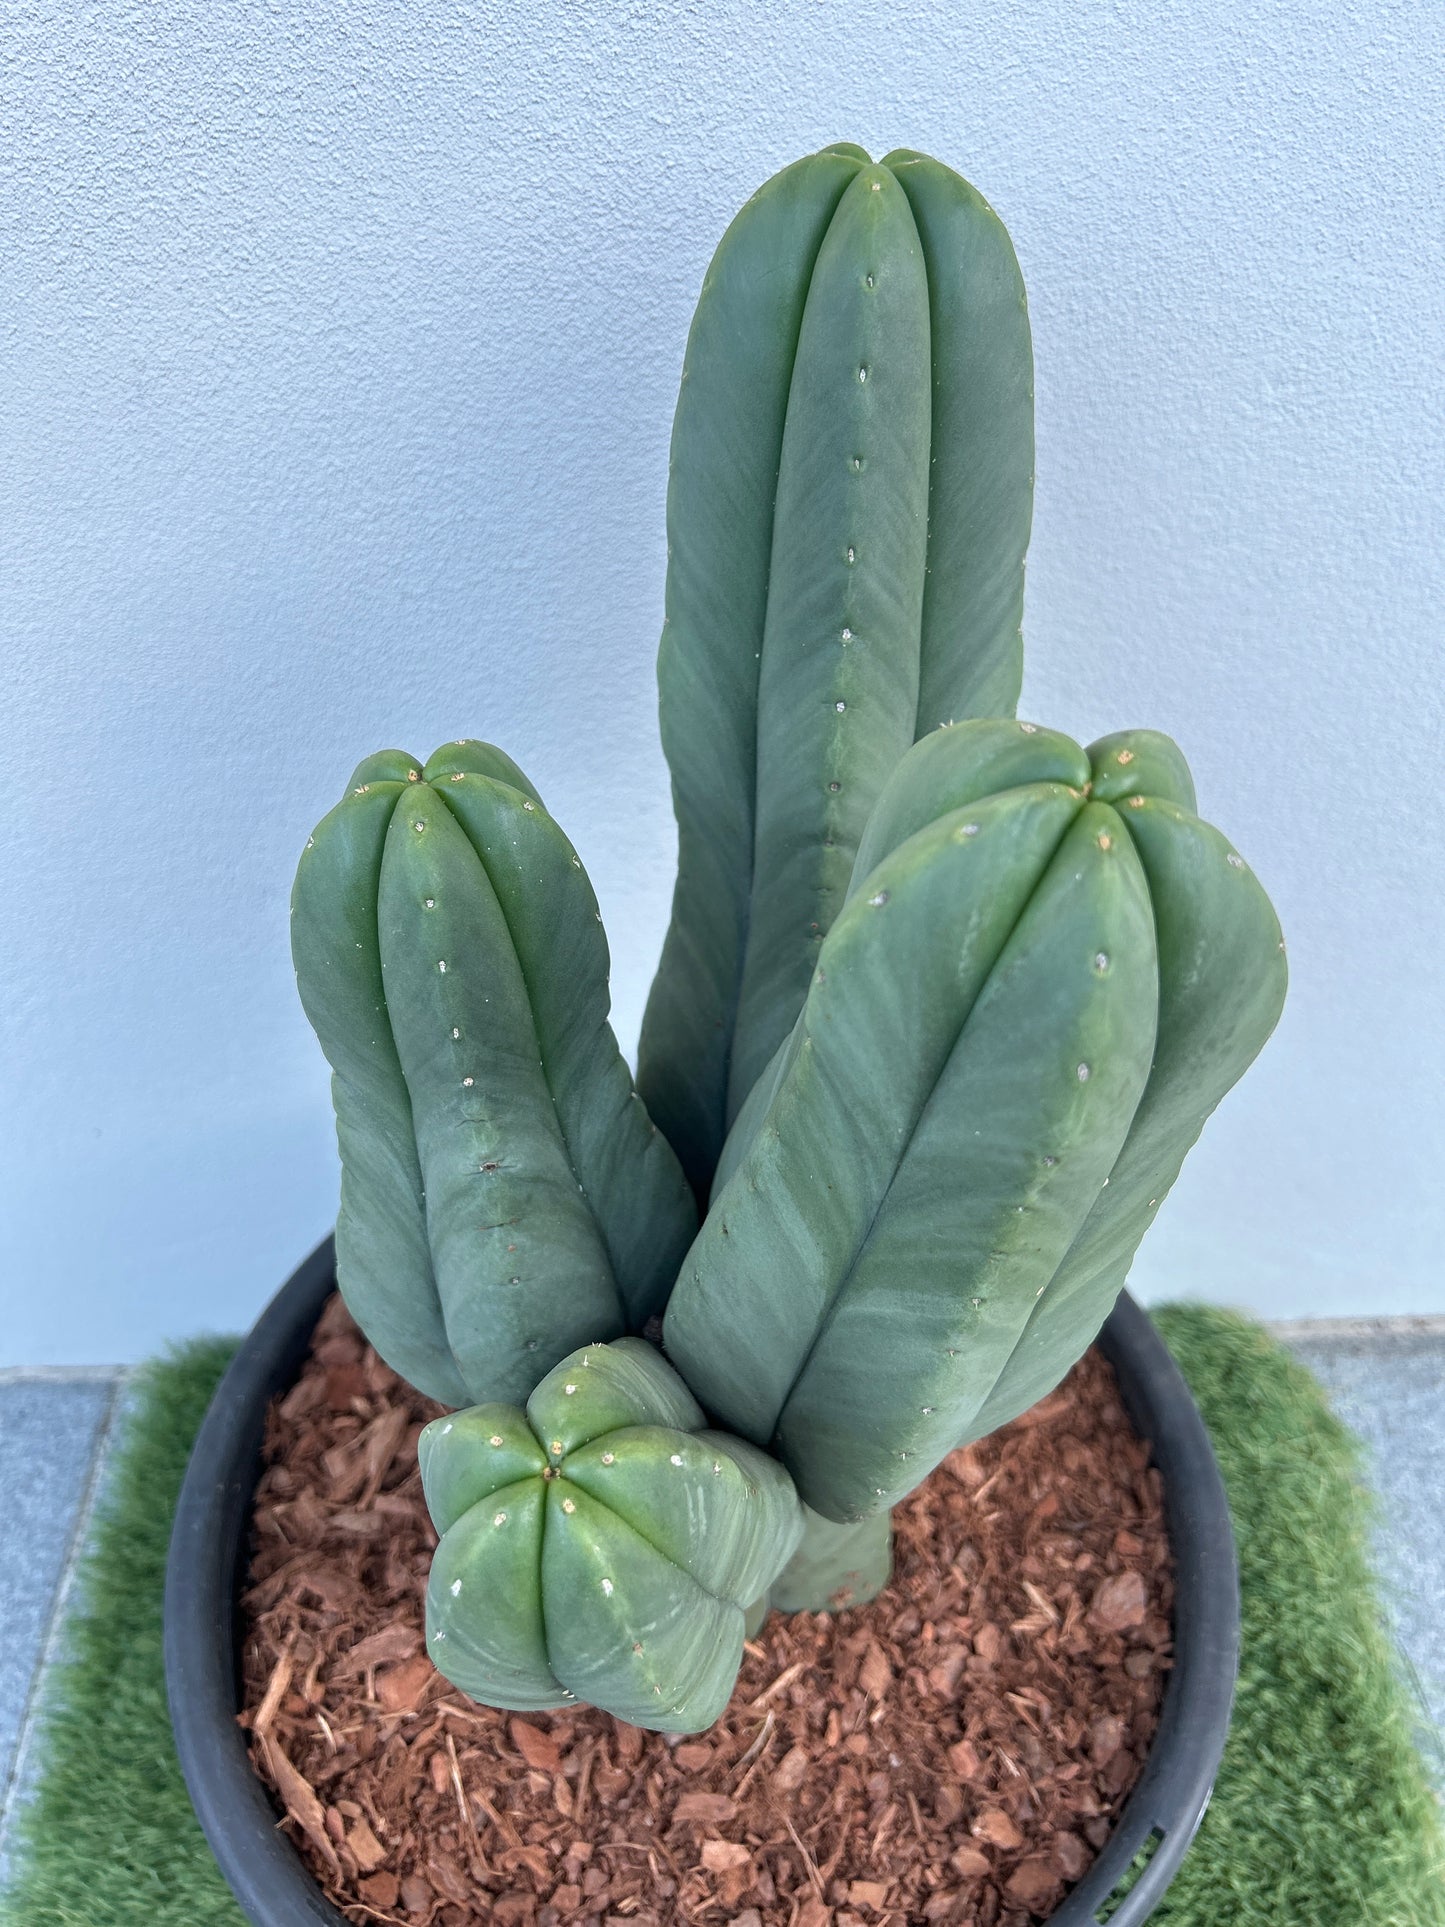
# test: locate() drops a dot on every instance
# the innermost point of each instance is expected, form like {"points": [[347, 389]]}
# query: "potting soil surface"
{"points": [[954, 1751]]}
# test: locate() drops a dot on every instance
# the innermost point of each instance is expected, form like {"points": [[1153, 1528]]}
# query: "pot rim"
{"points": [[275, 1888]]}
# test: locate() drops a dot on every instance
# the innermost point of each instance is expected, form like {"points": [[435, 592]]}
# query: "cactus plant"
{"points": [[849, 500], [601, 1545], [940, 1012], [504, 1195], [1048, 973]]}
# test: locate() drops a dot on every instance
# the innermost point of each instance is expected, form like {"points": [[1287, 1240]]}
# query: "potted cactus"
{"points": [[944, 1002]]}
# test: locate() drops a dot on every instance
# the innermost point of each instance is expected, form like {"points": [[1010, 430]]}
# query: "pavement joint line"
{"points": [[60, 1374], [55, 1620], [1405, 1330]]}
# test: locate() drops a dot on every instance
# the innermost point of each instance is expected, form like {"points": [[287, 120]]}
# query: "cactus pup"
{"points": [[601, 1545]]}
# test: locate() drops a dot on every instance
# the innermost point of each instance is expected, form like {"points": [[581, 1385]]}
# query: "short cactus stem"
{"points": [[601, 1546], [505, 1196]]}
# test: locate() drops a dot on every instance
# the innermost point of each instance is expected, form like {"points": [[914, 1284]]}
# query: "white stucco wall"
{"points": [[338, 356]]}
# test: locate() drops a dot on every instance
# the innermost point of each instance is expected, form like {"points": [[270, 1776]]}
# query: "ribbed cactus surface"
{"points": [[1048, 973], [601, 1545], [848, 508], [504, 1195]]}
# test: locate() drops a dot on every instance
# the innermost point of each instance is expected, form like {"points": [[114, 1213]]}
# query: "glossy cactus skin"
{"points": [[849, 504], [504, 1195], [600, 1546], [1048, 973]]}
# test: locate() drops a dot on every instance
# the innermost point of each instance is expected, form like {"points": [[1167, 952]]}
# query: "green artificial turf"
{"points": [[110, 1840], [1322, 1816]]}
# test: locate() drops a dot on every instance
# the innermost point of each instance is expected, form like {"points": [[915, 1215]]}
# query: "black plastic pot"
{"points": [[205, 1570]]}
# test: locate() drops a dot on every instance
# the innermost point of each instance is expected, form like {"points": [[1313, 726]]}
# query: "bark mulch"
{"points": [[954, 1752]]}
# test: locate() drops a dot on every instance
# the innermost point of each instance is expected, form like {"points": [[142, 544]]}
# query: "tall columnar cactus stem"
{"points": [[601, 1545], [849, 504], [1048, 974], [504, 1195]]}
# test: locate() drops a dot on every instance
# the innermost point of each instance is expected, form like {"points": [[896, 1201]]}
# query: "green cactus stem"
{"points": [[849, 502], [504, 1195], [1048, 973], [600, 1546], [835, 1566]]}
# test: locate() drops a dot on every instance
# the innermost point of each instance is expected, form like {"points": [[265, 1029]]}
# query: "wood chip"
{"points": [[394, 1642], [722, 1856], [1106, 1736], [998, 1828], [704, 1809], [402, 1689], [1121, 1601], [868, 1893], [537, 1748], [875, 1675], [364, 1844], [380, 1890], [1033, 1883], [276, 1689]]}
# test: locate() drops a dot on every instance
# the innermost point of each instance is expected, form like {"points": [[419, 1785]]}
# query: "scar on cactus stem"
{"points": [[1005, 1071], [601, 1545], [451, 960], [849, 500]]}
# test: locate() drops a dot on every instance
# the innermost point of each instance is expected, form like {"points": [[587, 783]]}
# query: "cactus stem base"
{"points": [[835, 1566]]}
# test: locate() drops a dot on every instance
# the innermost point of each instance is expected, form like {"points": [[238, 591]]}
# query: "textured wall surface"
{"points": [[339, 345]]}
